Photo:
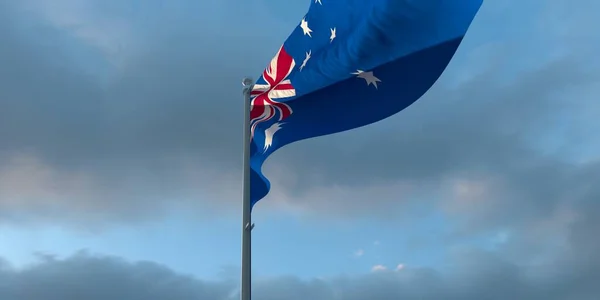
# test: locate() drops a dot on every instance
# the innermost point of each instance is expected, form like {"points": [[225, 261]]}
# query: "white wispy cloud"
{"points": [[83, 19], [359, 253], [378, 268]]}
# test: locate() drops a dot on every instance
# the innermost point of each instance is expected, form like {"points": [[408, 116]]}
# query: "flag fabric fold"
{"points": [[350, 63]]}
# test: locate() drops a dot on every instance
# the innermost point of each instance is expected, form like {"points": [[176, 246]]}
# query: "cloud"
{"points": [[94, 136], [92, 277], [122, 129], [378, 268], [359, 253], [471, 275]]}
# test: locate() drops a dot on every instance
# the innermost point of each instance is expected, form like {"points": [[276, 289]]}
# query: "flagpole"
{"points": [[246, 276]]}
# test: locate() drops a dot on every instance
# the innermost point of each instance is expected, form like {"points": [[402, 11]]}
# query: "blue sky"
{"points": [[120, 125], [283, 244]]}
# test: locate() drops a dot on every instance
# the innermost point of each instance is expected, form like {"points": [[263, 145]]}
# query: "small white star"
{"points": [[318, 1], [305, 29], [332, 37], [305, 60], [368, 77]]}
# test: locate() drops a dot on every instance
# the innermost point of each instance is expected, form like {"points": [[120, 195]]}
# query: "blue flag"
{"points": [[350, 63]]}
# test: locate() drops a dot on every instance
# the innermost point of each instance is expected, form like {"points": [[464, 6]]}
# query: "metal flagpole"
{"points": [[245, 292]]}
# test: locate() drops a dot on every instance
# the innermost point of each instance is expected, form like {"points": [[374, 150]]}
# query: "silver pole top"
{"points": [[247, 81]]}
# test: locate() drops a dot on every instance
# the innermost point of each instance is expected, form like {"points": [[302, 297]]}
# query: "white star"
{"points": [[269, 133], [305, 60], [305, 29], [367, 76], [318, 1], [332, 37]]}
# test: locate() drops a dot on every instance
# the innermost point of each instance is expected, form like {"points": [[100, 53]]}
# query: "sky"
{"points": [[120, 161]]}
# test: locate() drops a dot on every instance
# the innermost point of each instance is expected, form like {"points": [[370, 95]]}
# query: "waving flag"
{"points": [[350, 63]]}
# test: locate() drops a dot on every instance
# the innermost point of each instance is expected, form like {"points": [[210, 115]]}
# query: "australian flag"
{"points": [[350, 63]]}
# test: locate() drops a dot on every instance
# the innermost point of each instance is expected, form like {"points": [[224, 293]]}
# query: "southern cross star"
{"points": [[367, 76], [332, 36], [305, 28], [305, 60]]}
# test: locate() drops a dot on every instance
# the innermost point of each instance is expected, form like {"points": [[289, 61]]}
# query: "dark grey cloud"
{"points": [[163, 128], [469, 275], [88, 277]]}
